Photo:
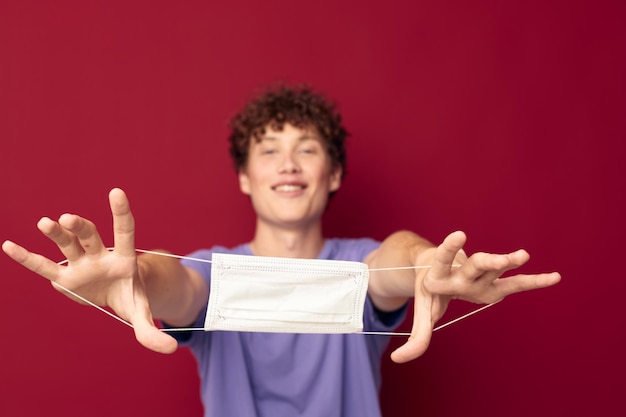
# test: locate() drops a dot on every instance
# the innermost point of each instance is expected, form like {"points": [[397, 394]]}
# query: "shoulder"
{"points": [[349, 249], [200, 260]]}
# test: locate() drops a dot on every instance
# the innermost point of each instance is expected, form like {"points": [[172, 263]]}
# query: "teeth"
{"points": [[288, 188]]}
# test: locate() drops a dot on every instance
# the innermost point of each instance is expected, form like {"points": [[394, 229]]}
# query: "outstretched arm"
{"points": [[478, 279], [137, 289]]}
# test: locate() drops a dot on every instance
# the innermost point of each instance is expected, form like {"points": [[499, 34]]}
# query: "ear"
{"points": [[335, 179], [244, 182]]}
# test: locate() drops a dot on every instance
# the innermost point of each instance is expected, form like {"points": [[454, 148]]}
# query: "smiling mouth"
{"points": [[288, 188]]}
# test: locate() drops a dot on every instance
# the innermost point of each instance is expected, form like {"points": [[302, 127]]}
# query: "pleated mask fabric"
{"points": [[284, 295]]}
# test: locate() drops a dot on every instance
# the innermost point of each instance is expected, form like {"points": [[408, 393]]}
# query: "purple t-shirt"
{"points": [[247, 374]]}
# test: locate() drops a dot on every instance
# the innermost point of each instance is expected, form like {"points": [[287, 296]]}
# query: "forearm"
{"points": [[176, 293], [390, 289]]}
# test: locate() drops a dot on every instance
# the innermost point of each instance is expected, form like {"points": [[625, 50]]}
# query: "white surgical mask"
{"points": [[284, 295]]}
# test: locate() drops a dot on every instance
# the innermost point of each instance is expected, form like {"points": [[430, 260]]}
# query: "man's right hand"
{"points": [[105, 277]]}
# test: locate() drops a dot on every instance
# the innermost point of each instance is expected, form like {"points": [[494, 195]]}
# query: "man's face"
{"points": [[289, 177]]}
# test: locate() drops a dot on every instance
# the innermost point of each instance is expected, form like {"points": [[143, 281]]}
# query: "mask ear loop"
{"points": [[187, 329]]}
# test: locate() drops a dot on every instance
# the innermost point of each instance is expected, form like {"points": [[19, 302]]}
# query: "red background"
{"points": [[503, 119]]}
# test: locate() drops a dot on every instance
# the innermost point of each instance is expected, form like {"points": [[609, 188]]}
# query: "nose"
{"points": [[288, 164]]}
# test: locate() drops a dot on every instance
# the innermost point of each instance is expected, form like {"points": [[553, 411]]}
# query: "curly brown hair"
{"points": [[299, 106]]}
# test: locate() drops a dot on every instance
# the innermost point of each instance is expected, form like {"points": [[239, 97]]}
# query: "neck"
{"points": [[306, 242]]}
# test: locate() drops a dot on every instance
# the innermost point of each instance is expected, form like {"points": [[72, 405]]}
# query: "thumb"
{"points": [[146, 332], [152, 338], [421, 332]]}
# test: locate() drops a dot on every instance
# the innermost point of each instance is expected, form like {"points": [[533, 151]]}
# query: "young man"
{"points": [[288, 148]]}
